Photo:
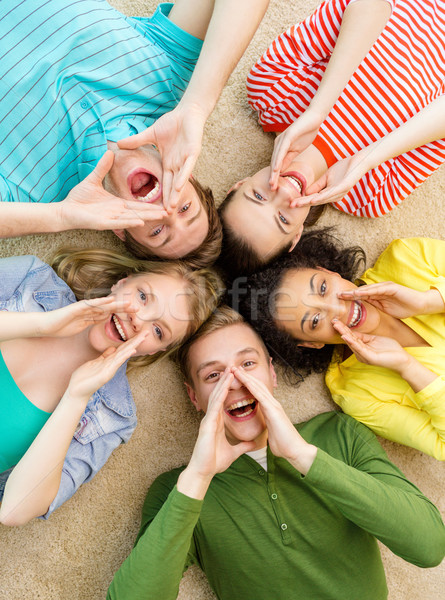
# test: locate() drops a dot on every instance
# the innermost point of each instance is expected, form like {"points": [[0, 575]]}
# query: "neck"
{"points": [[400, 332]]}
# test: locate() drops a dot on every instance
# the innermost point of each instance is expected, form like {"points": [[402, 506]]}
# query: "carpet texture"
{"points": [[74, 555]]}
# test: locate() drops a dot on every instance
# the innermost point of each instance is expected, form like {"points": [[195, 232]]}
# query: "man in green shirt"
{"points": [[267, 509]]}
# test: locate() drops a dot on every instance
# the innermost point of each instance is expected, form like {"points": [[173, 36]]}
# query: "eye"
{"points": [[283, 219], [315, 321], [184, 208], [157, 231], [248, 363], [211, 376], [142, 296], [323, 288], [258, 196], [158, 332]]}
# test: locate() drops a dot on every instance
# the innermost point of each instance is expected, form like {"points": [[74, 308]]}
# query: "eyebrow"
{"points": [[277, 220], [306, 315], [188, 223], [210, 363]]}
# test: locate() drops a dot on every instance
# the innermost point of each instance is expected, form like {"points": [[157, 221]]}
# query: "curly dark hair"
{"points": [[253, 298], [237, 256]]}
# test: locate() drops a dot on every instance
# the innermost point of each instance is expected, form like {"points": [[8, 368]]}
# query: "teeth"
{"points": [[151, 194], [244, 414], [295, 182], [356, 315], [240, 404], [119, 328]]}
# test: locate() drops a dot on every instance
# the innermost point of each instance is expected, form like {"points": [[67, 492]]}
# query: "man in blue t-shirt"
{"points": [[77, 77]]}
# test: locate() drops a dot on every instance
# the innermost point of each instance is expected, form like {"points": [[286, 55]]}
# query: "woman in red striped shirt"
{"points": [[356, 92]]}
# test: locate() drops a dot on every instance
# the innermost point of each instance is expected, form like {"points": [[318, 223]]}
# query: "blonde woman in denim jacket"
{"points": [[64, 344]]}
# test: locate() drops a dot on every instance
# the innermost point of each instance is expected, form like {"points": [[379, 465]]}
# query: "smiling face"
{"points": [[232, 346], [137, 175], [162, 309], [263, 218], [306, 302]]}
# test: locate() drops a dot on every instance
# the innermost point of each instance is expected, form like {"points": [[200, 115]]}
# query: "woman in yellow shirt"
{"points": [[388, 366]]}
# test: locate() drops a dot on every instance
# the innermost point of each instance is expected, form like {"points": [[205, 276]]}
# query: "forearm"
{"points": [[362, 23], [384, 504], [14, 325], [155, 566], [426, 126], [34, 482], [17, 218], [230, 30], [415, 374]]}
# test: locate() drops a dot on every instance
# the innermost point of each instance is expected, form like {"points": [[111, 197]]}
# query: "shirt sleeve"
{"points": [[164, 547], [5, 192], [82, 462], [15, 270], [375, 495]]}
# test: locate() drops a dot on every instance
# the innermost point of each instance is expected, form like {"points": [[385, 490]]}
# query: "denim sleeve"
{"points": [[15, 270], [83, 461]]}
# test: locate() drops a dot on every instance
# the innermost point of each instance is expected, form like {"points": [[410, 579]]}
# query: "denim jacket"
{"points": [[29, 285]]}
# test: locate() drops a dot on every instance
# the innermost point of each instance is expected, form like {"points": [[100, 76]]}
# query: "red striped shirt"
{"points": [[403, 72]]}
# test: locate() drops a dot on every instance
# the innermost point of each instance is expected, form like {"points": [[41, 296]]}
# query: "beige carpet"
{"points": [[73, 556]]}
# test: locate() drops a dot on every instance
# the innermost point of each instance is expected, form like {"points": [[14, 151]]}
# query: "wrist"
{"points": [[62, 217], [407, 366], [433, 302], [193, 484], [303, 458]]}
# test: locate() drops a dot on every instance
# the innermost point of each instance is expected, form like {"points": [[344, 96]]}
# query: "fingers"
{"points": [[386, 288], [312, 195], [255, 386], [102, 167], [140, 139], [219, 393], [126, 350], [279, 152], [167, 184]]}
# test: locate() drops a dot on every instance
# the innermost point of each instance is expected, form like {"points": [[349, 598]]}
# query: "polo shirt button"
{"points": [[283, 526], [273, 496], [261, 472], [84, 104]]}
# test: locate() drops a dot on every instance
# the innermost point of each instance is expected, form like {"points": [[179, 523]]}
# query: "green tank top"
{"points": [[21, 420]]}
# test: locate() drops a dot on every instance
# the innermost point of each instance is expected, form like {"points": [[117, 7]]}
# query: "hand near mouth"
{"points": [[90, 206], [374, 350], [289, 144], [178, 137], [212, 453], [91, 376], [337, 181], [397, 300], [74, 318], [284, 439]]}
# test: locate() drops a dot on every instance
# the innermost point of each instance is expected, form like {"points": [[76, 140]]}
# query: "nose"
{"points": [[336, 307], [135, 321], [236, 384]]}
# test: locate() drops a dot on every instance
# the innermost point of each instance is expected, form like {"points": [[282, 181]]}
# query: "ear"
{"points": [[236, 185], [273, 373], [120, 234], [296, 238], [192, 396], [316, 345]]}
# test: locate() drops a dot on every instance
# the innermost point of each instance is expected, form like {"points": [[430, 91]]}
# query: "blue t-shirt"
{"points": [[74, 74]]}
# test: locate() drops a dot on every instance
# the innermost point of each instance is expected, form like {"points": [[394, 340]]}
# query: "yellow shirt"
{"points": [[379, 397]]}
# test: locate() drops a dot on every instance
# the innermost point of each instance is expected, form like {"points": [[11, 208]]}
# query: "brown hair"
{"points": [[207, 252], [91, 272], [223, 316], [237, 256]]}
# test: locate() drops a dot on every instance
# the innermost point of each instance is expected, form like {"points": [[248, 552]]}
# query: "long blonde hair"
{"points": [[91, 273]]}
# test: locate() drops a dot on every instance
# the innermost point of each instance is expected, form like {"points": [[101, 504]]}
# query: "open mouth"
{"points": [[296, 180], [357, 314], [117, 328], [242, 409], [144, 186]]}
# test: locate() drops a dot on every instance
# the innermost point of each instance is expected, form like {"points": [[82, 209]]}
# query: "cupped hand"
{"points": [[391, 298], [289, 144], [90, 206], [74, 318], [374, 350], [91, 376], [284, 439], [213, 453], [178, 137], [335, 183]]}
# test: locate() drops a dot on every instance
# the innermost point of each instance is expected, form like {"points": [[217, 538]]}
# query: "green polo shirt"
{"points": [[276, 535]]}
